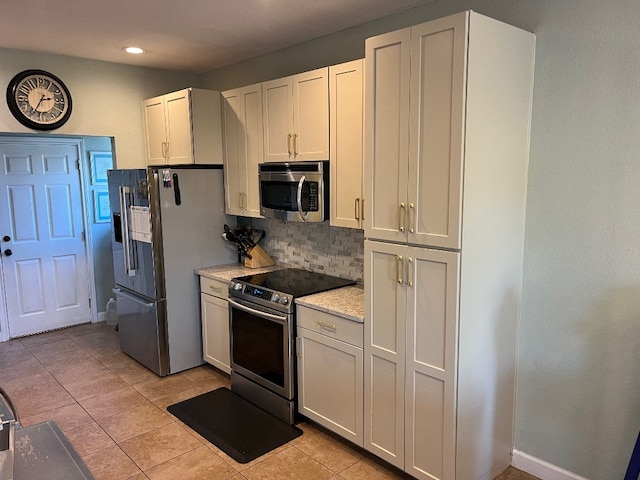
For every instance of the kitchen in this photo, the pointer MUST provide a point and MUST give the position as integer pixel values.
(579, 300)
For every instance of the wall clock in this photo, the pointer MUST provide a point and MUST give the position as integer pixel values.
(39, 100)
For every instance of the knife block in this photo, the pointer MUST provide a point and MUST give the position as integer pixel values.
(259, 258)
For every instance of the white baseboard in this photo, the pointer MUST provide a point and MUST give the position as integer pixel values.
(542, 469)
(102, 316)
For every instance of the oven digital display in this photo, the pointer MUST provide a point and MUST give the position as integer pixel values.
(260, 293)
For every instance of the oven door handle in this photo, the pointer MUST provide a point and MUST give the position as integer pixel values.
(259, 313)
(299, 199)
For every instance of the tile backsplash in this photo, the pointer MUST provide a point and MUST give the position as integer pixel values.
(314, 246)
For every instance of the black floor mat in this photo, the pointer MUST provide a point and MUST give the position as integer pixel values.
(234, 425)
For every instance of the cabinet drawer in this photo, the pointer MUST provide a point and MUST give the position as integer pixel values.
(330, 325)
(214, 287)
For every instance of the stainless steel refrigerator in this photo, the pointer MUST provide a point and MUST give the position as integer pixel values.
(166, 222)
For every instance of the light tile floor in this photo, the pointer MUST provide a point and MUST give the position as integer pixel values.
(113, 411)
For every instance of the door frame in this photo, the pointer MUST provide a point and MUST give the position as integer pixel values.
(78, 143)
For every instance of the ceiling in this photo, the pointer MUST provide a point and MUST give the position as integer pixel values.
(194, 36)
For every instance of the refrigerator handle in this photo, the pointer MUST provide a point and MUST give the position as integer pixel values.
(119, 291)
(128, 248)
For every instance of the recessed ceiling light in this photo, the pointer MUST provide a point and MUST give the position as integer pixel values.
(134, 50)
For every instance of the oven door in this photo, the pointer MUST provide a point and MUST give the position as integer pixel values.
(261, 346)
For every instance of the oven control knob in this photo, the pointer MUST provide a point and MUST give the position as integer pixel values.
(276, 297)
(237, 286)
(284, 300)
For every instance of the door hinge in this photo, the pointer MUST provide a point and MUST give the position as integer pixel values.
(78, 164)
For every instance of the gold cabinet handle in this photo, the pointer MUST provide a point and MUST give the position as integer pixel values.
(412, 218)
(362, 216)
(289, 144)
(402, 217)
(244, 200)
(295, 144)
(400, 269)
(240, 200)
(357, 208)
(215, 289)
(410, 271)
(165, 148)
(328, 326)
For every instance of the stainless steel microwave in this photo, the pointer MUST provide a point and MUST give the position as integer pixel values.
(295, 191)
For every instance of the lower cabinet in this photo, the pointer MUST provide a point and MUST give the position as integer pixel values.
(214, 311)
(330, 372)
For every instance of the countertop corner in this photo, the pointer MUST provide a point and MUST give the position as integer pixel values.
(345, 302)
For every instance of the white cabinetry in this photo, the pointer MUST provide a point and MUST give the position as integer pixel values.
(329, 350)
(214, 311)
(345, 128)
(183, 127)
(448, 108)
(296, 117)
(242, 126)
(410, 368)
(416, 186)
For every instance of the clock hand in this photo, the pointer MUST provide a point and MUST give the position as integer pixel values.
(35, 109)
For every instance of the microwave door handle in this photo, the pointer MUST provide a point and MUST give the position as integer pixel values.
(299, 199)
(127, 246)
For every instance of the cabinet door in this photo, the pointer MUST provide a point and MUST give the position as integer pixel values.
(346, 117)
(277, 114)
(311, 115)
(233, 151)
(333, 400)
(216, 344)
(242, 117)
(386, 133)
(384, 351)
(253, 147)
(154, 129)
(178, 118)
(431, 278)
(438, 72)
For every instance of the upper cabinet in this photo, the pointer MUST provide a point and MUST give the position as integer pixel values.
(243, 150)
(296, 117)
(345, 149)
(183, 127)
(414, 152)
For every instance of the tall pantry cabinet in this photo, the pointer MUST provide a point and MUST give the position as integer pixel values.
(448, 107)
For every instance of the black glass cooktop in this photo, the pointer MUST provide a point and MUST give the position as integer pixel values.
(295, 281)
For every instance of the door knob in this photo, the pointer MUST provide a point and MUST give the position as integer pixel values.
(8, 252)
(6, 238)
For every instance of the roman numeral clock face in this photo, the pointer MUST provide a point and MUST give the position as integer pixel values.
(39, 100)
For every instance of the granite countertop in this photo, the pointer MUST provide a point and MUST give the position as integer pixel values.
(345, 302)
(225, 273)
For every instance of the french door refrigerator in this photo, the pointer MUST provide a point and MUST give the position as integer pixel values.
(166, 222)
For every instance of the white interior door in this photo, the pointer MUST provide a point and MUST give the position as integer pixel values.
(44, 259)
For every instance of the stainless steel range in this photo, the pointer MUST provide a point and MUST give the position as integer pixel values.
(263, 327)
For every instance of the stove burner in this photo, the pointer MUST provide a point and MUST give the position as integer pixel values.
(278, 289)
